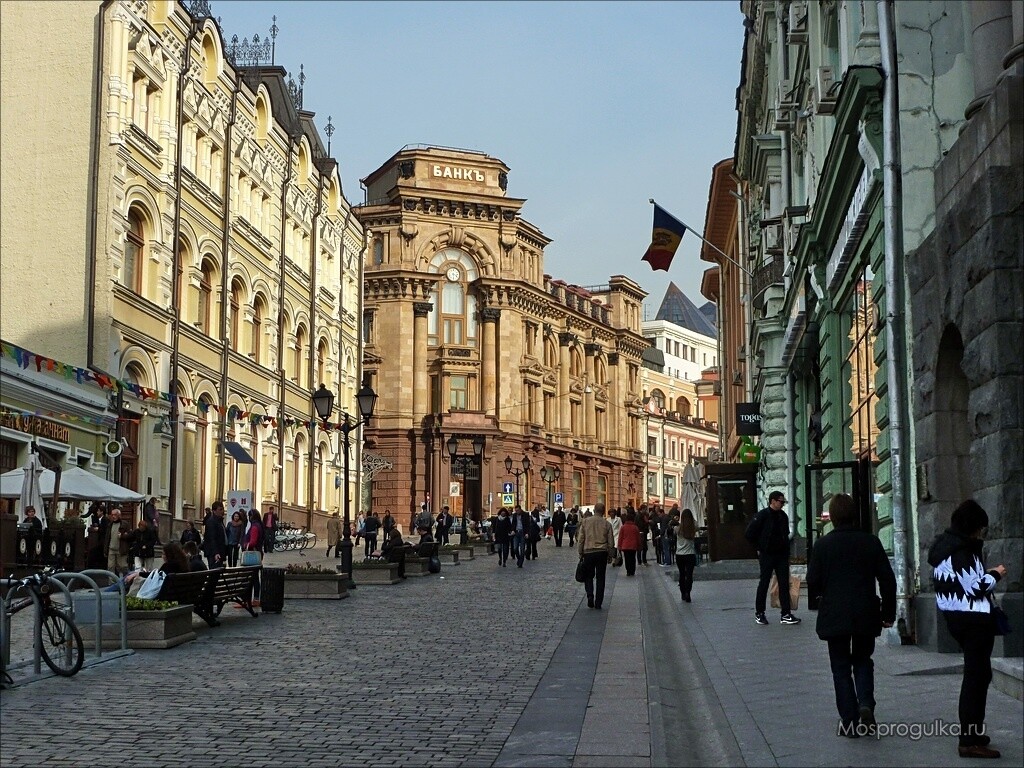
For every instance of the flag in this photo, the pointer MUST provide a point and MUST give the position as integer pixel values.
(668, 233)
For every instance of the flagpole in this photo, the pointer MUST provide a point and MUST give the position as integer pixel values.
(707, 242)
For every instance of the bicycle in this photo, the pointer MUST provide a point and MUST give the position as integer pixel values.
(59, 641)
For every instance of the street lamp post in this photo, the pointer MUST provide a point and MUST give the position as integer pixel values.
(549, 476)
(323, 401)
(517, 473)
(459, 464)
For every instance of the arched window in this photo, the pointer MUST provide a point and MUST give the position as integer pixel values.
(683, 406)
(659, 399)
(262, 120)
(298, 465)
(550, 353)
(300, 352)
(134, 251)
(206, 283)
(577, 487)
(575, 363)
(321, 363)
(453, 320)
(256, 340)
(235, 327)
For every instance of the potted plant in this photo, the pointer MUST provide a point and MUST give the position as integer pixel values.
(151, 624)
(311, 581)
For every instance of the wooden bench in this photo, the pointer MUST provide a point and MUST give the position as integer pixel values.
(210, 591)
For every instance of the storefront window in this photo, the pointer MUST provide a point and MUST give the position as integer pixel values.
(860, 434)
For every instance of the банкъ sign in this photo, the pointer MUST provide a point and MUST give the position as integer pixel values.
(748, 418)
(459, 174)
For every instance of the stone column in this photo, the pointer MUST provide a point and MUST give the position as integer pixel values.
(565, 341)
(589, 414)
(991, 39)
(489, 359)
(420, 389)
(1014, 60)
(618, 418)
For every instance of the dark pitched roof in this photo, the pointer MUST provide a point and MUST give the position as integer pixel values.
(679, 310)
(710, 311)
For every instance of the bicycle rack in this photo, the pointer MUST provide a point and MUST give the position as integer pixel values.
(86, 577)
(13, 588)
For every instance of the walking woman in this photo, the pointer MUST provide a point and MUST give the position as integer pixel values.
(686, 553)
(629, 542)
(235, 532)
(643, 524)
(963, 592)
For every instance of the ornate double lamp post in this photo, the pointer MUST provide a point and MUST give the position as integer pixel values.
(517, 472)
(550, 476)
(459, 464)
(323, 402)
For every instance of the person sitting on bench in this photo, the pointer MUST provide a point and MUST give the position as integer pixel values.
(394, 550)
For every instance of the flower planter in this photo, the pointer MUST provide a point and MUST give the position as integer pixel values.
(375, 574)
(482, 548)
(146, 629)
(416, 566)
(449, 556)
(465, 552)
(315, 586)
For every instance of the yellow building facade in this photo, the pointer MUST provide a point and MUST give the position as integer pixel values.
(466, 337)
(212, 265)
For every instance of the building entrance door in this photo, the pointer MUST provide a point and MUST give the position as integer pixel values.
(731, 503)
(823, 480)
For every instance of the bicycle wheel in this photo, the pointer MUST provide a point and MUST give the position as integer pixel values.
(311, 540)
(60, 644)
(279, 544)
(303, 542)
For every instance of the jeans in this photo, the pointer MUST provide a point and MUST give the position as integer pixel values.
(519, 547)
(779, 565)
(976, 642)
(686, 563)
(656, 546)
(571, 530)
(531, 550)
(642, 552)
(846, 654)
(503, 550)
(595, 564)
(442, 535)
(268, 539)
(667, 546)
(370, 544)
(233, 554)
(629, 556)
(558, 536)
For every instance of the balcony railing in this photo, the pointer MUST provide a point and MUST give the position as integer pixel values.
(765, 276)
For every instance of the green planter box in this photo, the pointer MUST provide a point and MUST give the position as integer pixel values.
(146, 629)
(374, 574)
(315, 586)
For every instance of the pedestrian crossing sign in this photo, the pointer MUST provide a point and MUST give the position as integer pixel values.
(508, 499)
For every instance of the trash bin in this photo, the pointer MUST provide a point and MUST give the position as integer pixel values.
(272, 590)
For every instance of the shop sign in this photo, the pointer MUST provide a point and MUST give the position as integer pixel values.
(748, 418)
(36, 427)
(454, 172)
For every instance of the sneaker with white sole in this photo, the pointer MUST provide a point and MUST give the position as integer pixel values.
(789, 618)
(760, 618)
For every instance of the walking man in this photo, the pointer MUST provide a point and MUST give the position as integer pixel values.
(596, 546)
(558, 524)
(521, 523)
(333, 534)
(502, 533)
(444, 525)
(769, 533)
(845, 565)
(215, 537)
(370, 527)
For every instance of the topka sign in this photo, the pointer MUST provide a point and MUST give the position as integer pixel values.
(457, 173)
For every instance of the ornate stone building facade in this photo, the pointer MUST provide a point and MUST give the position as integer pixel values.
(466, 337)
(220, 260)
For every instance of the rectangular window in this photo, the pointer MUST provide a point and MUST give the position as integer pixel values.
(670, 486)
(602, 490)
(549, 410)
(368, 327)
(577, 487)
(652, 446)
(652, 483)
(458, 392)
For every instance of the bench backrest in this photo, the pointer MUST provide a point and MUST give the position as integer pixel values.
(185, 588)
(229, 582)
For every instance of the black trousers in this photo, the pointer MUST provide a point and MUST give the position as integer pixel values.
(595, 564)
(853, 674)
(369, 543)
(559, 529)
(976, 639)
(686, 564)
(642, 553)
(779, 565)
(629, 557)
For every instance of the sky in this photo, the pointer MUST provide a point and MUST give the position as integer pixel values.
(595, 106)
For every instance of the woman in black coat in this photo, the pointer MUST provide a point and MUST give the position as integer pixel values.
(845, 565)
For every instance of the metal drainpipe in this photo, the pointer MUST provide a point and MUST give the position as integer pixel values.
(790, 452)
(341, 321)
(359, 362)
(895, 357)
(280, 329)
(225, 302)
(172, 500)
(94, 174)
(313, 241)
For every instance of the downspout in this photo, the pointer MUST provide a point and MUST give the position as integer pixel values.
(172, 500)
(780, 26)
(746, 288)
(359, 362)
(94, 174)
(895, 357)
(225, 302)
(280, 331)
(341, 326)
(313, 242)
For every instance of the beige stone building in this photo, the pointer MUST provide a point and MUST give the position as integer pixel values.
(172, 221)
(467, 337)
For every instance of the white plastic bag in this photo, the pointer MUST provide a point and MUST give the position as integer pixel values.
(152, 585)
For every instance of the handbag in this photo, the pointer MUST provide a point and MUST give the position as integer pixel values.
(151, 587)
(581, 572)
(251, 557)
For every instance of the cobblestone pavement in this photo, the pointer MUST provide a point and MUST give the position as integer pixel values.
(433, 671)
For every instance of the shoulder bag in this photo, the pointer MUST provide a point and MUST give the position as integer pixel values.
(251, 557)
(151, 587)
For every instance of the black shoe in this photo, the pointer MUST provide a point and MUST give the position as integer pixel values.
(597, 607)
(789, 618)
(760, 618)
(590, 602)
(849, 729)
(978, 750)
(867, 716)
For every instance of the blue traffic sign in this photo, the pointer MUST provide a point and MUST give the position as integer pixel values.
(558, 497)
(508, 488)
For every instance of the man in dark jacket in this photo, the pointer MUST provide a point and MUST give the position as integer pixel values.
(844, 567)
(769, 533)
(558, 524)
(215, 540)
(501, 530)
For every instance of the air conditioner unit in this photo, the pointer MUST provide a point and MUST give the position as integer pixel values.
(737, 378)
(785, 118)
(797, 32)
(741, 352)
(828, 91)
(786, 94)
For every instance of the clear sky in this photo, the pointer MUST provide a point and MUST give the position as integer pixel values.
(595, 107)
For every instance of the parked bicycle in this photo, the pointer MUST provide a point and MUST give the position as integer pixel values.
(59, 641)
(290, 537)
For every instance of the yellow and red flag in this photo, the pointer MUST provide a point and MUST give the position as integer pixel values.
(668, 233)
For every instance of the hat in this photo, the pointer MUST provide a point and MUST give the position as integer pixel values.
(776, 496)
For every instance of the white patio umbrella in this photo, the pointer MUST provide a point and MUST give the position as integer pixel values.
(693, 493)
(31, 490)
